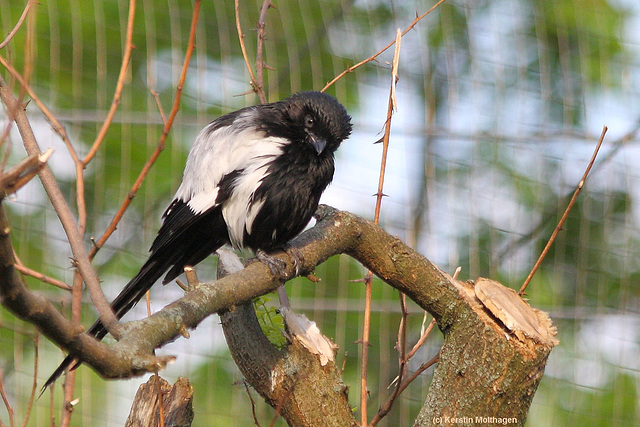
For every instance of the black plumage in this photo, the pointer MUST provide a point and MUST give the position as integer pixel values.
(253, 179)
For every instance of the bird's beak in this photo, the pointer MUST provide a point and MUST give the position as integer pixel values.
(318, 143)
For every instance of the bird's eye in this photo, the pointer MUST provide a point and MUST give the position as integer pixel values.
(308, 122)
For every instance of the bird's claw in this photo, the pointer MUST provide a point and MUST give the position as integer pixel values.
(296, 256)
(276, 265)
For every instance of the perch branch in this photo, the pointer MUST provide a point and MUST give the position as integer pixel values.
(335, 232)
(513, 362)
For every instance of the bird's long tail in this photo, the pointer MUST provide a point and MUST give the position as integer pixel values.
(185, 238)
(150, 272)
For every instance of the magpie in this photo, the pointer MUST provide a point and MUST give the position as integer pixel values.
(253, 179)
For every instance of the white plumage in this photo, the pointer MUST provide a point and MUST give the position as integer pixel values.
(215, 154)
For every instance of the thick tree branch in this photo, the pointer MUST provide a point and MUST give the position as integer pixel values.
(81, 258)
(336, 232)
(301, 381)
(487, 353)
(38, 311)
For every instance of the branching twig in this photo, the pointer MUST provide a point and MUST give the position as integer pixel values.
(375, 55)
(565, 215)
(266, 4)
(81, 259)
(400, 384)
(384, 410)
(55, 124)
(161, 143)
(126, 59)
(254, 83)
(18, 176)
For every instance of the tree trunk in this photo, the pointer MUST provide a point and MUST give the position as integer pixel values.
(491, 362)
(176, 409)
(302, 383)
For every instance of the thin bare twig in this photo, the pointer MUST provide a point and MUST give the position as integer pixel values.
(13, 32)
(155, 95)
(55, 124)
(69, 384)
(400, 384)
(380, 52)
(565, 215)
(29, 52)
(421, 340)
(34, 385)
(6, 400)
(40, 276)
(254, 83)
(161, 143)
(253, 403)
(402, 333)
(384, 410)
(159, 400)
(266, 4)
(615, 147)
(7, 150)
(364, 353)
(387, 127)
(376, 220)
(126, 59)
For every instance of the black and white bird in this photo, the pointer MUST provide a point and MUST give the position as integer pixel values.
(253, 179)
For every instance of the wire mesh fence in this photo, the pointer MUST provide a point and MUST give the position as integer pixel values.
(500, 104)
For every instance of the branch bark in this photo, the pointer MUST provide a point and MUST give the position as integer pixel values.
(157, 403)
(475, 330)
(81, 258)
(303, 386)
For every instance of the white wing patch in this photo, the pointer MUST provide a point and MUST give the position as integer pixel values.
(218, 153)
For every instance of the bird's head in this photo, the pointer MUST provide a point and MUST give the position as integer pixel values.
(317, 119)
